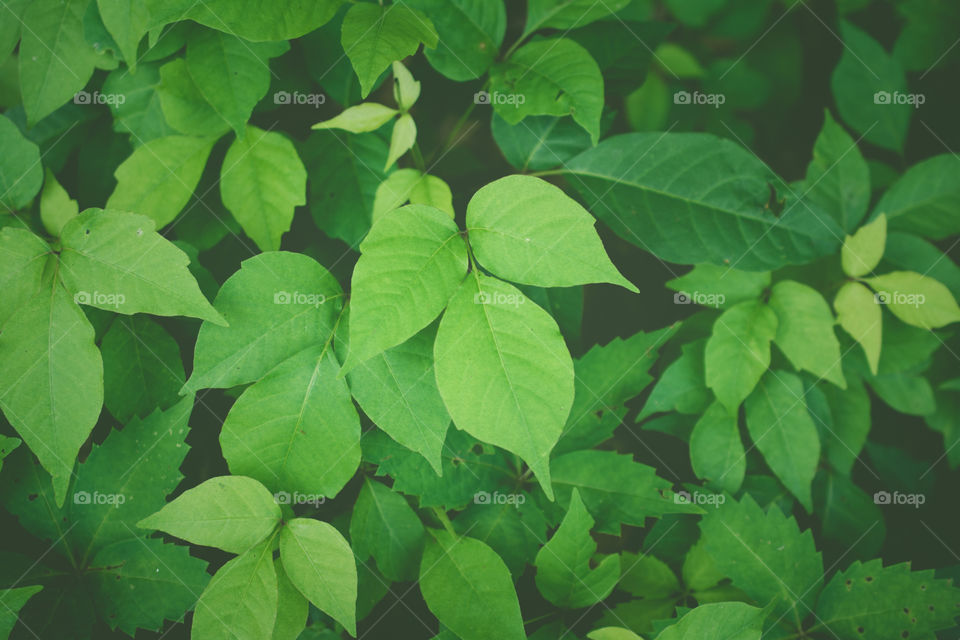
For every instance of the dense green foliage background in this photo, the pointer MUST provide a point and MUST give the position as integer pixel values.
(479, 319)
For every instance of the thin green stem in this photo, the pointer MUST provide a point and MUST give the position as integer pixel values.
(445, 521)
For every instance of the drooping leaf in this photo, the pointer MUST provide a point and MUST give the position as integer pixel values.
(361, 118)
(837, 178)
(863, 250)
(292, 607)
(56, 206)
(384, 526)
(805, 330)
(860, 316)
(21, 173)
(850, 411)
(716, 451)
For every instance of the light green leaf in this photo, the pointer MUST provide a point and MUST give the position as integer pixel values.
(513, 526)
(295, 430)
(10, 33)
(677, 61)
(23, 258)
(837, 179)
(127, 21)
(183, 105)
(361, 118)
(738, 351)
(409, 185)
(868, 86)
(403, 138)
(518, 391)
(615, 489)
(411, 263)
(873, 602)
(115, 261)
(406, 90)
(784, 432)
(765, 555)
(682, 386)
(916, 299)
(860, 316)
(555, 77)
(397, 389)
(694, 198)
(716, 451)
(55, 59)
(527, 230)
(56, 206)
(277, 304)
(470, 35)
(468, 588)
(384, 526)
(564, 573)
(257, 20)
(727, 620)
(262, 181)
(12, 600)
(850, 412)
(719, 287)
(7, 445)
(51, 381)
(568, 14)
(232, 513)
(863, 250)
(159, 177)
(925, 199)
(21, 173)
(320, 563)
(292, 607)
(240, 603)
(373, 36)
(805, 331)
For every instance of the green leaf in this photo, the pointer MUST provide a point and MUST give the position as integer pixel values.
(728, 620)
(277, 304)
(232, 513)
(612, 633)
(564, 573)
(184, 106)
(384, 526)
(12, 601)
(411, 263)
(470, 34)
(127, 21)
(539, 142)
(233, 75)
(403, 138)
(373, 36)
(292, 607)
(362, 118)
(142, 369)
(21, 174)
(908, 252)
(554, 77)
(738, 351)
(784, 432)
(874, 602)
(924, 200)
(158, 179)
(513, 526)
(7, 445)
(406, 90)
(863, 250)
(766, 556)
(51, 382)
(850, 412)
(23, 259)
(409, 185)
(720, 287)
(240, 603)
(10, 29)
(527, 230)
(397, 389)
(145, 582)
(860, 316)
(691, 198)
(716, 451)
(116, 261)
(320, 564)
(56, 206)
(805, 331)
(468, 588)
(55, 59)
(295, 429)
(868, 85)
(682, 386)
(141, 114)
(567, 14)
(916, 299)
(262, 181)
(518, 391)
(257, 20)
(615, 489)
(838, 180)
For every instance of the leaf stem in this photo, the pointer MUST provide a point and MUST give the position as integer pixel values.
(445, 521)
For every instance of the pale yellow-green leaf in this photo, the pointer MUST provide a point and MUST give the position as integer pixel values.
(863, 250)
(56, 205)
(860, 316)
(403, 138)
(368, 116)
(916, 299)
